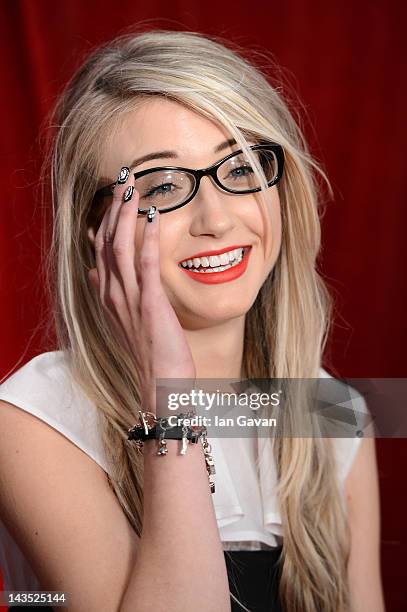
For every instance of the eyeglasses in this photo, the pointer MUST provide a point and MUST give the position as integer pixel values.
(171, 187)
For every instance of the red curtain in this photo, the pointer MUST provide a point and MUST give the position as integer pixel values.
(345, 60)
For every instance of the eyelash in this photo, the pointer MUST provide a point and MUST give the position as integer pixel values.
(155, 187)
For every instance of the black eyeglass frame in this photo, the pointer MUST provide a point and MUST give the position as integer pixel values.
(209, 171)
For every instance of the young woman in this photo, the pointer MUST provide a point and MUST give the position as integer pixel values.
(184, 131)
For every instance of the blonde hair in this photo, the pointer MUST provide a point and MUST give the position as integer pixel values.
(287, 326)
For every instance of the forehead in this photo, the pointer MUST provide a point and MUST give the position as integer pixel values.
(158, 125)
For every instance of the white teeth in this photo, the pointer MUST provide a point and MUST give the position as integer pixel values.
(214, 262)
(217, 268)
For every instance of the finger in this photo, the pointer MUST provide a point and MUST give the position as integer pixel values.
(124, 250)
(121, 281)
(150, 260)
(123, 190)
(157, 314)
(116, 323)
(125, 180)
(103, 264)
(100, 278)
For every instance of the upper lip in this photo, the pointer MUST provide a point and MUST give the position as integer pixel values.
(216, 252)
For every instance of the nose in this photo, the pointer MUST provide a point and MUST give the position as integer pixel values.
(211, 210)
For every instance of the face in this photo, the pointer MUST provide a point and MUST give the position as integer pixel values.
(214, 220)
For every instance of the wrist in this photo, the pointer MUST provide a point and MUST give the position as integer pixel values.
(150, 427)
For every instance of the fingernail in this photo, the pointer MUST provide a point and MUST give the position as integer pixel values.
(151, 213)
(128, 194)
(123, 175)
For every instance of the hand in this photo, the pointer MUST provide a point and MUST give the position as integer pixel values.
(133, 297)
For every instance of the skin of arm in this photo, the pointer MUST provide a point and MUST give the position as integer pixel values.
(180, 562)
(362, 497)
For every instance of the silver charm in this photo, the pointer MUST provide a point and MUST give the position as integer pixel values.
(194, 436)
(210, 465)
(184, 440)
(162, 445)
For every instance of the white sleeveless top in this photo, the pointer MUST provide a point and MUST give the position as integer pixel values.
(245, 505)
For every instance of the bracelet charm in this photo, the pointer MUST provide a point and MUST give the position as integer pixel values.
(184, 440)
(162, 445)
(151, 427)
(210, 464)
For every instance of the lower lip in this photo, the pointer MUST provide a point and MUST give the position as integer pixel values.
(213, 278)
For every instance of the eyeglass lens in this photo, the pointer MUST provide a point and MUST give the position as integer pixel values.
(166, 189)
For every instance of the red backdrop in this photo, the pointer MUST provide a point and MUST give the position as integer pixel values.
(346, 63)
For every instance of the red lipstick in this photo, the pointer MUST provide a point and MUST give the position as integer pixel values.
(213, 278)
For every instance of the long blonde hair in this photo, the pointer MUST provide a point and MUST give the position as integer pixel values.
(292, 311)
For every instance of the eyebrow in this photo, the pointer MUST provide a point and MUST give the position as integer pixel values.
(174, 154)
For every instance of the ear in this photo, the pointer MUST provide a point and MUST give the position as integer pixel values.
(91, 235)
(93, 277)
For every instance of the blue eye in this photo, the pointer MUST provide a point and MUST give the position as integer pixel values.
(155, 190)
(246, 170)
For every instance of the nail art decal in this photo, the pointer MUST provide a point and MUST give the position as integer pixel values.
(128, 194)
(151, 213)
(124, 175)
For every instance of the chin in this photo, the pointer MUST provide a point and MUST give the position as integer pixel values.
(195, 316)
(209, 305)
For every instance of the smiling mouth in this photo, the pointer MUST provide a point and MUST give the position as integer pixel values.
(215, 263)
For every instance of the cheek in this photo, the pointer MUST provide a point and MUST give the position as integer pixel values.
(274, 229)
(268, 229)
(264, 221)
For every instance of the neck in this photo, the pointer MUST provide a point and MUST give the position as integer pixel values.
(218, 351)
